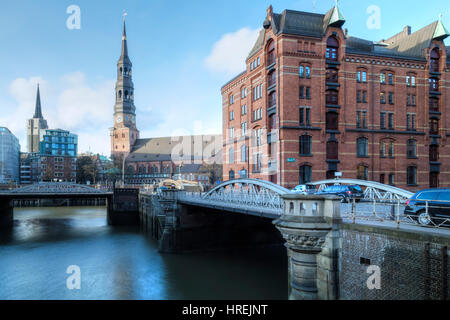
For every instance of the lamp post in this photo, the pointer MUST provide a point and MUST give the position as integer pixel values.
(123, 168)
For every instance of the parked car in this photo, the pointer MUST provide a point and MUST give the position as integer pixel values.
(304, 189)
(346, 193)
(437, 201)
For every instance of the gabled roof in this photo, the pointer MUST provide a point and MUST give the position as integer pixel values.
(162, 149)
(414, 44)
(404, 44)
(299, 23)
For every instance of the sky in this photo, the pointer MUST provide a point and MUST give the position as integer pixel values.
(182, 53)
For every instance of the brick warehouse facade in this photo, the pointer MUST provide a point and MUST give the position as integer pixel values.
(314, 101)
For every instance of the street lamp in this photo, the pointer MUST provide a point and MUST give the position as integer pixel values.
(123, 168)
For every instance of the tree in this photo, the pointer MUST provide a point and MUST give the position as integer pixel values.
(86, 170)
(214, 171)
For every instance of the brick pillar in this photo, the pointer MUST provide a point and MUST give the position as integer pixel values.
(309, 225)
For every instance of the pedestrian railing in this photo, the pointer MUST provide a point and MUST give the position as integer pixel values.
(425, 213)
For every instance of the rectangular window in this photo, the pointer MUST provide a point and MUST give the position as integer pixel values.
(382, 97)
(391, 78)
(302, 92)
(358, 96)
(383, 120)
(308, 93)
(391, 98)
(305, 116)
(383, 78)
(364, 76)
(365, 96)
(391, 121)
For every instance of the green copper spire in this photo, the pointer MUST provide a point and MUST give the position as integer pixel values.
(441, 32)
(336, 19)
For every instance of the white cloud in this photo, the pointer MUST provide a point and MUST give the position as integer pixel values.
(229, 53)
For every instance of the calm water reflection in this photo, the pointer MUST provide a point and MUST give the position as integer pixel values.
(121, 263)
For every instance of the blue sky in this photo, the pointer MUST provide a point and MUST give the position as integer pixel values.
(177, 49)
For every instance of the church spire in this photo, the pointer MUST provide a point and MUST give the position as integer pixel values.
(38, 109)
(124, 54)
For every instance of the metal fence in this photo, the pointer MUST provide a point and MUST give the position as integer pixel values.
(425, 213)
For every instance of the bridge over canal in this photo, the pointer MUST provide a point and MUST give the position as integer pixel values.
(122, 204)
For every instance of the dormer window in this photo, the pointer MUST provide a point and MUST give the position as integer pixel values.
(332, 49)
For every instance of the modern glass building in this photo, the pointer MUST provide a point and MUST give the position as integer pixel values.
(57, 142)
(9, 156)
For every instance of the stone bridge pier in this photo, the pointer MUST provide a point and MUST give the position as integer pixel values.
(6, 213)
(310, 227)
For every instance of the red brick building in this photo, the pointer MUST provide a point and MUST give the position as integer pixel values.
(314, 101)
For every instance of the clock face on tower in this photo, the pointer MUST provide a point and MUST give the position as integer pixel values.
(119, 119)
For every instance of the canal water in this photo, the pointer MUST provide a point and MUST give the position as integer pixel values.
(122, 263)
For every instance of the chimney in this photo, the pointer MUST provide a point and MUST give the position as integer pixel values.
(407, 30)
(269, 13)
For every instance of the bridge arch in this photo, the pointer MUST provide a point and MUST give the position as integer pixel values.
(373, 190)
(248, 185)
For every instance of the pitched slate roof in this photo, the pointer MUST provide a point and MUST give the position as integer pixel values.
(403, 45)
(163, 148)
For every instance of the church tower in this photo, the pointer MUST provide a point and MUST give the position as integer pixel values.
(124, 133)
(36, 126)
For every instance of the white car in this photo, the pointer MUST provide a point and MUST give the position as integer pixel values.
(304, 189)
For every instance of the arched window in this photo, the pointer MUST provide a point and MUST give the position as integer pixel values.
(434, 60)
(126, 94)
(362, 172)
(231, 155)
(383, 149)
(243, 153)
(332, 49)
(411, 149)
(156, 169)
(362, 147)
(411, 176)
(271, 53)
(305, 174)
(130, 170)
(231, 175)
(120, 94)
